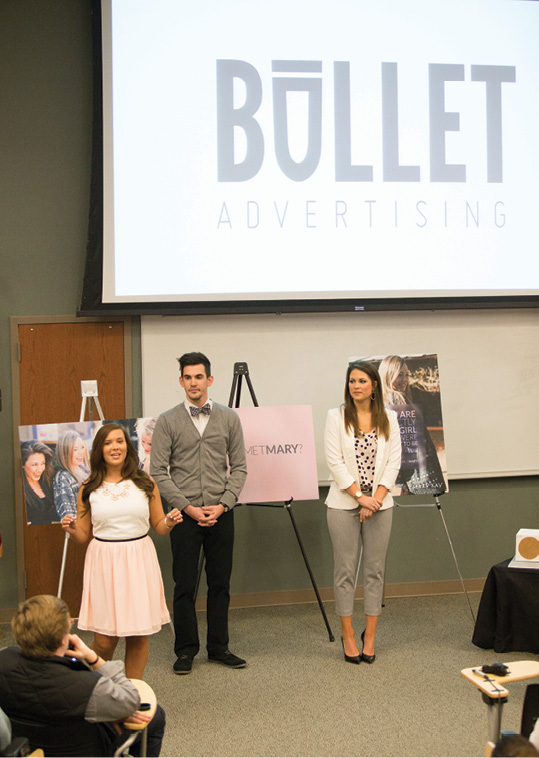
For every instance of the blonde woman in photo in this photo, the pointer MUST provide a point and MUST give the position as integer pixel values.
(395, 377)
(72, 468)
(420, 472)
(145, 429)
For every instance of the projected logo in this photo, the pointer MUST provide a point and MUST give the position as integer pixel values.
(243, 119)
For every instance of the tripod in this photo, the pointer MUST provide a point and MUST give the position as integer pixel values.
(241, 370)
(437, 505)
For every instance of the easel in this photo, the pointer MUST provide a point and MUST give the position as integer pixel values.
(437, 505)
(242, 370)
(88, 389)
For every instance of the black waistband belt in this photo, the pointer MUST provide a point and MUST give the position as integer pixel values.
(131, 539)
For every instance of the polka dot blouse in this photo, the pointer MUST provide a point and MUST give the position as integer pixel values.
(366, 447)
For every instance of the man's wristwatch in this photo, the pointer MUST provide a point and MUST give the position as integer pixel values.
(226, 508)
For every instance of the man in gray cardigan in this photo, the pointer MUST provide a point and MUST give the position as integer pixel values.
(198, 461)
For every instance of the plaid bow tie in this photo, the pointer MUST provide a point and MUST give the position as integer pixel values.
(205, 409)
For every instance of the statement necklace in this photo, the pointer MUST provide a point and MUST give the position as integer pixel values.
(115, 494)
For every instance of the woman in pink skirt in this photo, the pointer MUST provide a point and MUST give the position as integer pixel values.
(122, 592)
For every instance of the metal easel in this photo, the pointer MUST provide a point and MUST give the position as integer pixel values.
(241, 370)
(437, 505)
(88, 389)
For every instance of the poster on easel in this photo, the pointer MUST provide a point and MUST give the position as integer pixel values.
(280, 454)
(55, 461)
(411, 388)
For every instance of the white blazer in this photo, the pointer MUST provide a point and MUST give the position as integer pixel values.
(341, 459)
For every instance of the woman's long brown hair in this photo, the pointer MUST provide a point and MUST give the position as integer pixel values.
(34, 446)
(380, 420)
(130, 469)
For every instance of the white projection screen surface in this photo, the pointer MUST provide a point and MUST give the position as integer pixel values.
(320, 150)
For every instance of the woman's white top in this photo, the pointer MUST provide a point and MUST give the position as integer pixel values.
(339, 445)
(119, 511)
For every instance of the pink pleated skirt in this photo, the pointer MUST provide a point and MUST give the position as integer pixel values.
(122, 594)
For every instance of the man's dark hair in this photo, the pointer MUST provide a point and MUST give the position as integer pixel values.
(194, 359)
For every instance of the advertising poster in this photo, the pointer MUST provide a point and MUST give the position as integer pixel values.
(55, 461)
(411, 387)
(281, 456)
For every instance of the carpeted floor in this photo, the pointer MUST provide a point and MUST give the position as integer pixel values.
(298, 697)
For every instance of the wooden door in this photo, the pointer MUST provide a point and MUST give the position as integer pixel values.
(53, 360)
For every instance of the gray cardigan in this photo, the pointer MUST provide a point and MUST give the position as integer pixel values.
(193, 470)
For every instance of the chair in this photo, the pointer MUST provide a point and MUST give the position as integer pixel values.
(83, 738)
(12, 747)
(147, 695)
(20, 746)
(80, 738)
(495, 696)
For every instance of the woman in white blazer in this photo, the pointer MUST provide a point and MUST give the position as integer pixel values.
(363, 452)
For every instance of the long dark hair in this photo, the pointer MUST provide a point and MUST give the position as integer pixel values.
(98, 468)
(380, 420)
(31, 447)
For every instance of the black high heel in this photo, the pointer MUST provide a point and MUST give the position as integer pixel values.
(364, 656)
(350, 658)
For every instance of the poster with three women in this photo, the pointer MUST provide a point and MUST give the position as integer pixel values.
(55, 461)
(411, 387)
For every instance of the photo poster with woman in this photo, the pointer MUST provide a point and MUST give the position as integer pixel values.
(411, 387)
(55, 461)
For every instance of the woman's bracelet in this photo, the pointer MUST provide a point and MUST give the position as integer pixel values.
(167, 524)
(93, 662)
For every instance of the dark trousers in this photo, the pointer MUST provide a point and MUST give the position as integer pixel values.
(217, 542)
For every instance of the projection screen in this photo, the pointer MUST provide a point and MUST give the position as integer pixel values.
(320, 153)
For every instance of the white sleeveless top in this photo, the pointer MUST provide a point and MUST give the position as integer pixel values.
(119, 511)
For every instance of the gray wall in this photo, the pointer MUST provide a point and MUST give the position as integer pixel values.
(45, 147)
(45, 139)
(482, 517)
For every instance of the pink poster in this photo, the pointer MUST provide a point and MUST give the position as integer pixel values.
(281, 457)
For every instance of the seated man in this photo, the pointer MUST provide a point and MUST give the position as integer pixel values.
(53, 678)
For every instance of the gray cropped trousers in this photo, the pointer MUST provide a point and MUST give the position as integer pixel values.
(348, 534)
